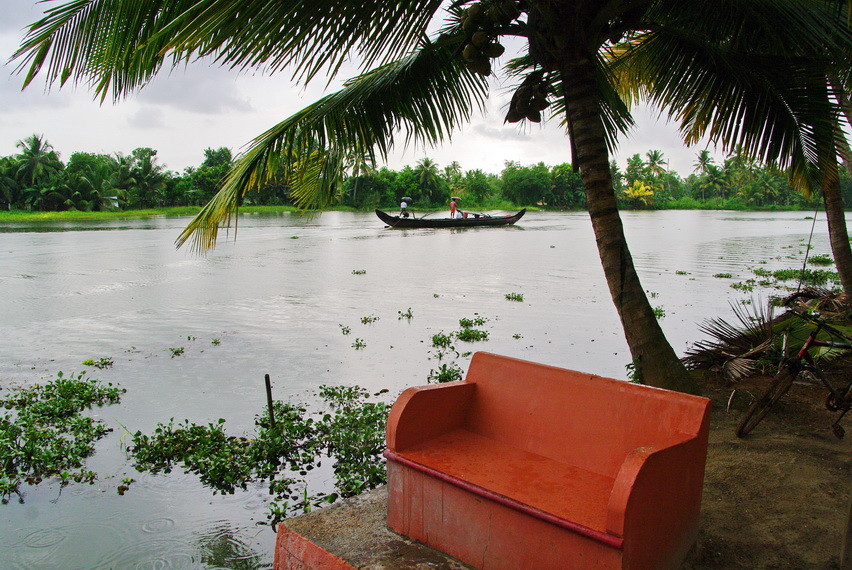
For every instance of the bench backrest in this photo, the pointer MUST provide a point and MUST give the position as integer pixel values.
(585, 420)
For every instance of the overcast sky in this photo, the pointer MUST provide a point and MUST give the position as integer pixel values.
(184, 111)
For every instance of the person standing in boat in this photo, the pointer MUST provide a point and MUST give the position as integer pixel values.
(403, 207)
(454, 211)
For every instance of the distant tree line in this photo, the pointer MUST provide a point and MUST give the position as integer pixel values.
(37, 179)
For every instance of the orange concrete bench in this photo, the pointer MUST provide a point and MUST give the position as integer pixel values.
(524, 465)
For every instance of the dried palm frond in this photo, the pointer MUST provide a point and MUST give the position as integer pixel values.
(733, 348)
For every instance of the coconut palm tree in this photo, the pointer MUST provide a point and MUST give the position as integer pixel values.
(37, 161)
(702, 162)
(426, 85)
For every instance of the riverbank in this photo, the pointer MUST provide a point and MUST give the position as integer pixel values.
(184, 211)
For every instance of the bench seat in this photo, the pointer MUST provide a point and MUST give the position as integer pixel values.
(524, 465)
(562, 490)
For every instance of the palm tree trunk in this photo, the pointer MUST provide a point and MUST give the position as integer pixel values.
(838, 234)
(653, 356)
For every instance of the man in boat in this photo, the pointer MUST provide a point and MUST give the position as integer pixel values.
(403, 207)
(454, 211)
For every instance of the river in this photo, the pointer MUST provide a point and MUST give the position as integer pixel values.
(276, 301)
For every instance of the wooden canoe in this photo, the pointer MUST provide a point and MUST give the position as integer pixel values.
(472, 221)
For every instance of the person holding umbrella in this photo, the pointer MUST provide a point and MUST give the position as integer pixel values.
(403, 207)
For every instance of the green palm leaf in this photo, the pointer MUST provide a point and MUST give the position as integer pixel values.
(118, 45)
(423, 96)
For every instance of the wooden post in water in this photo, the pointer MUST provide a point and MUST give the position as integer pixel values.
(269, 401)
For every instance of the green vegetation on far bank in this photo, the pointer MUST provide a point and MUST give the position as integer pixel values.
(36, 184)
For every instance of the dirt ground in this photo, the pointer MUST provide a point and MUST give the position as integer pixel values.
(778, 498)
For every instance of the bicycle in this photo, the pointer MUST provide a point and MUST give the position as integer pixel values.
(838, 400)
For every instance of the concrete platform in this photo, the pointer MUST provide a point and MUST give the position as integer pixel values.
(353, 534)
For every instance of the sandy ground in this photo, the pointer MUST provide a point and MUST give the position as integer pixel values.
(778, 498)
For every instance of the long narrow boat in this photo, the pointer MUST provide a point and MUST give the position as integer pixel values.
(472, 221)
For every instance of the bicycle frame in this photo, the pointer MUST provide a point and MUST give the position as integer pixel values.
(842, 398)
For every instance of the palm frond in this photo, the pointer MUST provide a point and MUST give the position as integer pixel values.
(728, 79)
(115, 46)
(423, 96)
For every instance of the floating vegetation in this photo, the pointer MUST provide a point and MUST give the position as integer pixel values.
(359, 344)
(472, 335)
(45, 435)
(745, 286)
(517, 336)
(653, 294)
(820, 260)
(359, 271)
(441, 340)
(177, 351)
(445, 373)
(344, 329)
(723, 276)
(215, 342)
(369, 319)
(659, 312)
(407, 315)
(101, 363)
(474, 322)
(680, 272)
(191, 338)
(347, 428)
(515, 297)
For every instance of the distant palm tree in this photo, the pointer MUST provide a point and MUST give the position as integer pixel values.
(655, 162)
(703, 162)
(709, 63)
(37, 161)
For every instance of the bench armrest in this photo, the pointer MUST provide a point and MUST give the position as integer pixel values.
(656, 499)
(423, 413)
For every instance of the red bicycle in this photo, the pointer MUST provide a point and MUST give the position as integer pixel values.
(838, 400)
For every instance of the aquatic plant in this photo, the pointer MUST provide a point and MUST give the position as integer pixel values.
(472, 335)
(474, 322)
(369, 319)
(723, 276)
(659, 312)
(408, 315)
(344, 329)
(44, 435)
(177, 351)
(359, 344)
(441, 340)
(359, 271)
(515, 297)
(101, 363)
(347, 428)
(445, 373)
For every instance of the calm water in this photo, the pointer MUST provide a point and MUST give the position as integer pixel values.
(276, 298)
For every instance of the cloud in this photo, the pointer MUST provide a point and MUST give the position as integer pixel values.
(197, 88)
(507, 133)
(146, 118)
(18, 15)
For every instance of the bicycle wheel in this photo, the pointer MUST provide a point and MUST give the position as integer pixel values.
(760, 407)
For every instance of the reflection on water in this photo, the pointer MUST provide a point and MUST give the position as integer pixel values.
(276, 305)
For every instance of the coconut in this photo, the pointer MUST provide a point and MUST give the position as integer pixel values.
(493, 50)
(480, 66)
(479, 39)
(513, 116)
(471, 53)
(539, 103)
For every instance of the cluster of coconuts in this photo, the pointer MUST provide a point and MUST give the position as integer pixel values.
(529, 100)
(480, 22)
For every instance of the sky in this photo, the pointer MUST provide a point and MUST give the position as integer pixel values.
(186, 110)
